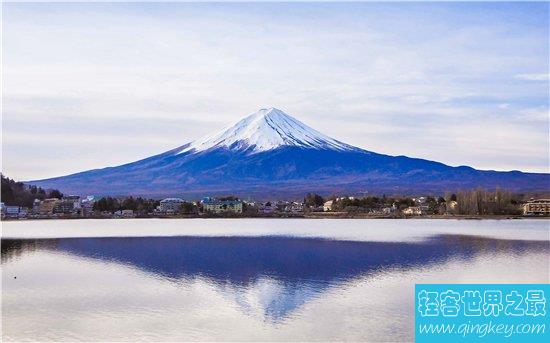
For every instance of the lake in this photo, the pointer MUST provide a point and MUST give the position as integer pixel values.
(248, 279)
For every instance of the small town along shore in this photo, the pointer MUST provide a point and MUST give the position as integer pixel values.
(23, 202)
(314, 215)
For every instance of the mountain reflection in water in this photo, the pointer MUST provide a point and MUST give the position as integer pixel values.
(286, 271)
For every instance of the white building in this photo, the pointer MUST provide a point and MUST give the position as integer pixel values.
(327, 206)
(171, 205)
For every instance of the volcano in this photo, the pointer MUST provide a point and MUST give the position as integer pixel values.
(270, 154)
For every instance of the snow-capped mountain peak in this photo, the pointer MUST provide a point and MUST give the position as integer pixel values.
(266, 129)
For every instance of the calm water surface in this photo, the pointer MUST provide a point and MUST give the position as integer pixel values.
(166, 280)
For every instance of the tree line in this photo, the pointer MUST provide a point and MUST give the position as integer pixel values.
(18, 194)
(138, 205)
(483, 202)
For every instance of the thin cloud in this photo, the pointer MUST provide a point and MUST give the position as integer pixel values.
(534, 77)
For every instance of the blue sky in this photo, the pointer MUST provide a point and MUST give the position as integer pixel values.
(94, 85)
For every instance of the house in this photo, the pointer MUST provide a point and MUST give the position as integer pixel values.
(412, 211)
(327, 206)
(75, 199)
(295, 207)
(389, 210)
(537, 207)
(171, 205)
(23, 212)
(452, 206)
(12, 211)
(124, 214)
(47, 206)
(268, 208)
(68, 205)
(106, 214)
(213, 205)
(420, 200)
(250, 203)
(282, 206)
(425, 209)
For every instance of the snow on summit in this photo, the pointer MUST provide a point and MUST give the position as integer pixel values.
(264, 130)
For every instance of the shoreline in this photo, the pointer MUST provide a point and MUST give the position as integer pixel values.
(320, 215)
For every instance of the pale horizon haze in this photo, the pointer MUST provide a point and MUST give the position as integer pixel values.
(92, 85)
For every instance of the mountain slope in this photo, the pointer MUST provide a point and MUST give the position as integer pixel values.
(271, 154)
